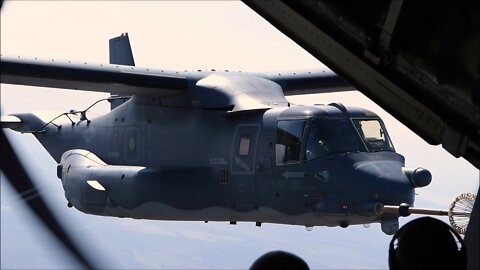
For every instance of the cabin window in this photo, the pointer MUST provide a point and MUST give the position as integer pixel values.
(328, 136)
(289, 141)
(373, 134)
(244, 148)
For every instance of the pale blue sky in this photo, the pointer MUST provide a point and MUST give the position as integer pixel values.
(182, 35)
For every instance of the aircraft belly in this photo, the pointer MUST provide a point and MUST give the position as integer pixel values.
(161, 211)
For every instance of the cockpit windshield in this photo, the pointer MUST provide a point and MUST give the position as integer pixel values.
(327, 136)
(373, 134)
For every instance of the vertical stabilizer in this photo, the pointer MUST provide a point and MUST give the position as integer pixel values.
(121, 51)
(120, 54)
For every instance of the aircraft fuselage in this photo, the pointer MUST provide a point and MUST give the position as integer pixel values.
(172, 163)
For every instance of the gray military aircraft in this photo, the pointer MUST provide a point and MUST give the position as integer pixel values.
(216, 146)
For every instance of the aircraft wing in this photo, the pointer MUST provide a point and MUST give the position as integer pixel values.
(308, 82)
(115, 79)
(127, 80)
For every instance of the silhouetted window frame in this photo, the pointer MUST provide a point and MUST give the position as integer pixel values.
(293, 149)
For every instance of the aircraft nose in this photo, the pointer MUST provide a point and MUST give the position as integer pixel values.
(386, 182)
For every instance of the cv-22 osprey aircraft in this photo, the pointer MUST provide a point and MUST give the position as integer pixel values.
(216, 146)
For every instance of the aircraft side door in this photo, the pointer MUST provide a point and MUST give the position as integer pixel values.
(242, 168)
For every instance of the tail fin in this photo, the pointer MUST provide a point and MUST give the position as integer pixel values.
(120, 54)
(121, 51)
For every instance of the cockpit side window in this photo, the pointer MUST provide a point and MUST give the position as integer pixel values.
(289, 141)
(373, 134)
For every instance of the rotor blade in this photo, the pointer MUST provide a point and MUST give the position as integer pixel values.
(20, 180)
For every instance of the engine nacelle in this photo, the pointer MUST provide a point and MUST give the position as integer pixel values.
(94, 187)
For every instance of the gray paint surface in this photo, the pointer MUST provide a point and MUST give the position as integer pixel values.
(209, 151)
